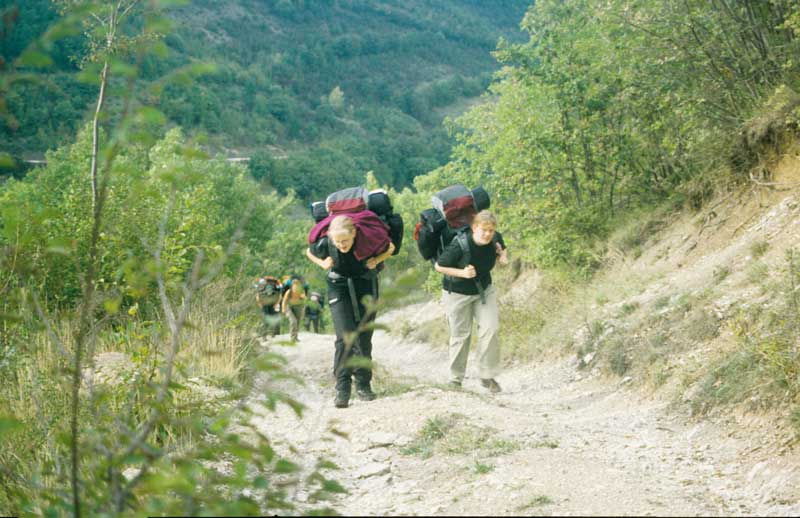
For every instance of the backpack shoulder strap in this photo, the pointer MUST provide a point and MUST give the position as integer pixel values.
(463, 242)
(333, 251)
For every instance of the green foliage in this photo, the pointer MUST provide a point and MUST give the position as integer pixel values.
(44, 217)
(720, 273)
(614, 106)
(617, 357)
(390, 69)
(758, 249)
(481, 469)
(123, 337)
(628, 308)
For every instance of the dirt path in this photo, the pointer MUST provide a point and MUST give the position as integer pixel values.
(550, 443)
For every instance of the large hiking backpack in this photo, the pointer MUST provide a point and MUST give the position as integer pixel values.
(450, 215)
(355, 199)
(268, 285)
(315, 302)
(287, 283)
(269, 289)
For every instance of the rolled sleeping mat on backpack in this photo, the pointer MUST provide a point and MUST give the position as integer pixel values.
(352, 199)
(481, 198)
(318, 211)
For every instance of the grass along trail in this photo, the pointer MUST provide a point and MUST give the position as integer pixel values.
(550, 443)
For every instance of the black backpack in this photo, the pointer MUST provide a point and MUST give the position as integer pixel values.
(452, 211)
(358, 198)
(269, 289)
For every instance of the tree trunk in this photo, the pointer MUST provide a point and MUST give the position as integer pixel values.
(96, 133)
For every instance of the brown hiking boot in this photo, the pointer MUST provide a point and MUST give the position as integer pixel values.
(491, 384)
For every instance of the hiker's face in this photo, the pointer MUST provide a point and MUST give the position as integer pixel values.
(482, 234)
(344, 242)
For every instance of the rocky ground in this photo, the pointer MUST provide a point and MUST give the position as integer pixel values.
(553, 442)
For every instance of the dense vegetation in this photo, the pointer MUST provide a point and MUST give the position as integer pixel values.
(614, 106)
(134, 240)
(316, 92)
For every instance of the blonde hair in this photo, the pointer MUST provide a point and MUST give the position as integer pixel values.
(484, 217)
(341, 225)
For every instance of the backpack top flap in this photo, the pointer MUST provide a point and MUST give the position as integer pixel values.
(379, 202)
(427, 232)
(318, 211)
(456, 204)
(481, 198)
(352, 199)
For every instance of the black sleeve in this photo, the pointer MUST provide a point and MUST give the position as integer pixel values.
(451, 256)
(320, 248)
(500, 240)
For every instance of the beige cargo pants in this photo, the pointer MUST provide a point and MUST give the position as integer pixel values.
(461, 311)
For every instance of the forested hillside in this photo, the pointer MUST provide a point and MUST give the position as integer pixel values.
(317, 92)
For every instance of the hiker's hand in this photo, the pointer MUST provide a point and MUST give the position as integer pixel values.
(469, 272)
(372, 263)
(327, 263)
(502, 255)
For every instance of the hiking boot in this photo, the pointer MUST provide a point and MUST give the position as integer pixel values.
(342, 399)
(365, 394)
(455, 384)
(491, 384)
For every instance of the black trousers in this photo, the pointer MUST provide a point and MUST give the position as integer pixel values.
(272, 320)
(344, 321)
(312, 318)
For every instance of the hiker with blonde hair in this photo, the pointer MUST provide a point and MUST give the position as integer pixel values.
(352, 256)
(469, 295)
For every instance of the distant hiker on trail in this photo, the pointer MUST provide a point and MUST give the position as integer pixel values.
(314, 311)
(294, 306)
(351, 248)
(268, 297)
(467, 263)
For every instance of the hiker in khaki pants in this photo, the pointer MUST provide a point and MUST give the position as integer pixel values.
(469, 295)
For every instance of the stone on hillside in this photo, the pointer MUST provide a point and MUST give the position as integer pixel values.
(381, 439)
(692, 393)
(380, 454)
(374, 485)
(130, 473)
(205, 390)
(372, 469)
(111, 368)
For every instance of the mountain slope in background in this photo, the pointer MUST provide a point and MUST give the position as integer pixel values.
(337, 87)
